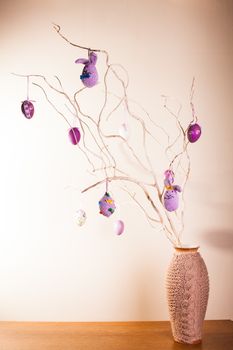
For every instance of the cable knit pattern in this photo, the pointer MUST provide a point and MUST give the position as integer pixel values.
(187, 292)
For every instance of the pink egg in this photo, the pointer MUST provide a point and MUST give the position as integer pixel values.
(119, 227)
(74, 135)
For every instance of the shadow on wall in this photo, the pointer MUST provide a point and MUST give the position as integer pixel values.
(220, 239)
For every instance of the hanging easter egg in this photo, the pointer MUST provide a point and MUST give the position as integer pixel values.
(194, 132)
(118, 227)
(74, 135)
(80, 217)
(171, 197)
(89, 76)
(171, 200)
(27, 109)
(107, 205)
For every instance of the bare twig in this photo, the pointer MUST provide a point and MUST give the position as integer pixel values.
(100, 150)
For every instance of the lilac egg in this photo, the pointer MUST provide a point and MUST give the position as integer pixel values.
(119, 227)
(194, 132)
(171, 200)
(89, 76)
(27, 109)
(74, 135)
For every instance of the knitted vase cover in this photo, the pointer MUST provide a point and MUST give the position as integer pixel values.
(187, 293)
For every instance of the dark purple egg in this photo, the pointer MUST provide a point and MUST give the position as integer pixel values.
(194, 132)
(27, 109)
(74, 135)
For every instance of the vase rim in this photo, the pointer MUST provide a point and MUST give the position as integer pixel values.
(187, 247)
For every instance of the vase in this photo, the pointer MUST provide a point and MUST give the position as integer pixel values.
(187, 294)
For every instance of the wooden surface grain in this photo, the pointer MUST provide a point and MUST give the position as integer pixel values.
(218, 335)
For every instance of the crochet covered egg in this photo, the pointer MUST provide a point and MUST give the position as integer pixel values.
(171, 196)
(107, 205)
(171, 200)
(89, 74)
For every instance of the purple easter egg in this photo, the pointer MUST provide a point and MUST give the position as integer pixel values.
(107, 205)
(74, 135)
(89, 76)
(119, 227)
(27, 109)
(194, 132)
(171, 200)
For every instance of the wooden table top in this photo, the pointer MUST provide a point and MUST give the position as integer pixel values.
(218, 335)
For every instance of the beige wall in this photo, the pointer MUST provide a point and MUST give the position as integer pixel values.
(50, 269)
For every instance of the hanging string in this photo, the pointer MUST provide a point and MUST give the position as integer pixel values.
(106, 185)
(191, 101)
(27, 88)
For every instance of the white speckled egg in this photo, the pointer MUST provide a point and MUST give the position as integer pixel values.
(80, 217)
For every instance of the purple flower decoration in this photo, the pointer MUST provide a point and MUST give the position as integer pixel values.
(169, 178)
